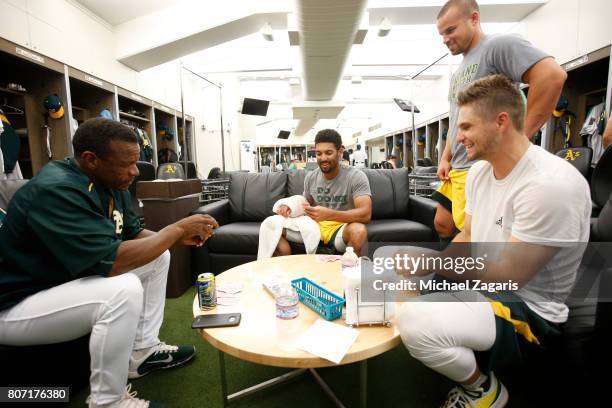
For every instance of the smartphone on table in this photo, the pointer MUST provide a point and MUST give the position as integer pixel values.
(216, 320)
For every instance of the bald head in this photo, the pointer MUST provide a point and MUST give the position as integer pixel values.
(467, 7)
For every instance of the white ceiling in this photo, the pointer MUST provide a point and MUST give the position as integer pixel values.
(116, 12)
(226, 39)
(236, 46)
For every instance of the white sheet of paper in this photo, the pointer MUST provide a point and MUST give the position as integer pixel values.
(327, 340)
(229, 287)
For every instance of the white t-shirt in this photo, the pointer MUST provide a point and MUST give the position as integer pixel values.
(544, 199)
(360, 157)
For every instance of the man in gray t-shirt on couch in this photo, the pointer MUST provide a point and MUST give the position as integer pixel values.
(339, 199)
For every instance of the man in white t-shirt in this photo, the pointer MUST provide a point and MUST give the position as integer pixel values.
(536, 207)
(360, 158)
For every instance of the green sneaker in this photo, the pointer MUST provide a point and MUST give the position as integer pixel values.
(159, 357)
(496, 396)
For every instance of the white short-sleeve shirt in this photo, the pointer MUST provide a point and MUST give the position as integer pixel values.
(543, 200)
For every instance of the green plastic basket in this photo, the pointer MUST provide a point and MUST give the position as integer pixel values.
(319, 299)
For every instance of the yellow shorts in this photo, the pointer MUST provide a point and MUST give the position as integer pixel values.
(451, 195)
(328, 230)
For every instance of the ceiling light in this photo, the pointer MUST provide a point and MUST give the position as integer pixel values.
(266, 32)
(384, 27)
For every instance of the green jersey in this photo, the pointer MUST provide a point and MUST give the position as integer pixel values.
(59, 227)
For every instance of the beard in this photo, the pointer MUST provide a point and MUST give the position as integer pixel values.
(331, 166)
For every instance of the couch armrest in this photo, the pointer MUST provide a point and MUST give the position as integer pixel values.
(219, 210)
(422, 210)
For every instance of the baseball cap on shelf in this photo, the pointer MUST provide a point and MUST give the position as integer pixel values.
(106, 114)
(168, 133)
(561, 107)
(54, 106)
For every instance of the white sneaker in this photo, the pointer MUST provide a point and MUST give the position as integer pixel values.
(128, 400)
(494, 397)
(160, 356)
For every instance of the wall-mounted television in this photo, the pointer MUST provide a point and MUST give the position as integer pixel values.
(257, 107)
(283, 134)
(406, 106)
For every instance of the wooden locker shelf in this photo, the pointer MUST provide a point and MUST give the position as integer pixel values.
(90, 95)
(40, 76)
(165, 117)
(130, 102)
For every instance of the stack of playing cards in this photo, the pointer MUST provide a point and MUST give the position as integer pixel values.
(228, 293)
(328, 258)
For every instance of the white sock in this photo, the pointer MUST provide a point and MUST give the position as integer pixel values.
(476, 384)
(142, 353)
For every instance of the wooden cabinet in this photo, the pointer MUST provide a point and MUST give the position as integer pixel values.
(137, 112)
(165, 133)
(587, 85)
(188, 135)
(90, 96)
(37, 76)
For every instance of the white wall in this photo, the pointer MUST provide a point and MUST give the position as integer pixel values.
(432, 100)
(570, 28)
(567, 29)
(377, 156)
(63, 30)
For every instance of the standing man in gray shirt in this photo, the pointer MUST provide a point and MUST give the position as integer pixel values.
(339, 199)
(458, 23)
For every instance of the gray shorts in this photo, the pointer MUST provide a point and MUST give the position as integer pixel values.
(339, 244)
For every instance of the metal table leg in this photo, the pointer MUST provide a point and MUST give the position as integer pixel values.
(326, 388)
(223, 379)
(266, 384)
(363, 383)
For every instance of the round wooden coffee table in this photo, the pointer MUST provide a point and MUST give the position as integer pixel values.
(255, 339)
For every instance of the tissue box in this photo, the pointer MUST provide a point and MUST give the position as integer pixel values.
(359, 312)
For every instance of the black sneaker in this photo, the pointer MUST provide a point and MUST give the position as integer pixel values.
(160, 356)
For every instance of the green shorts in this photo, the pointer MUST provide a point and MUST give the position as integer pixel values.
(519, 331)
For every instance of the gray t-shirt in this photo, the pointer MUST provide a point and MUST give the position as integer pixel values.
(507, 54)
(338, 193)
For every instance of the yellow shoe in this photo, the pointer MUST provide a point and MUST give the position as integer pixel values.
(496, 396)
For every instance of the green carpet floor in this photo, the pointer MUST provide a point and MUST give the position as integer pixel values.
(395, 379)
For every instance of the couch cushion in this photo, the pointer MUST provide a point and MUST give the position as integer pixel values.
(295, 182)
(389, 193)
(252, 195)
(398, 230)
(235, 238)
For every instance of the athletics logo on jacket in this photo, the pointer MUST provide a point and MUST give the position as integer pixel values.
(118, 218)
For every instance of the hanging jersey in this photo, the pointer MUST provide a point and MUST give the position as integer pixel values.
(10, 145)
(592, 130)
(146, 149)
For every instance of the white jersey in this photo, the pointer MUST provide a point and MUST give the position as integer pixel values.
(360, 157)
(590, 128)
(544, 199)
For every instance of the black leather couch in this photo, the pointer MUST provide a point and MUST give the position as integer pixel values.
(397, 216)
